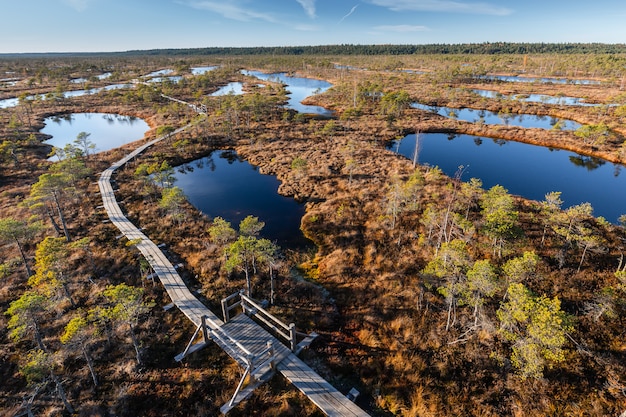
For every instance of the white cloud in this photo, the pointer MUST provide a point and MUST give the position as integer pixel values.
(442, 6)
(401, 28)
(349, 13)
(231, 10)
(308, 6)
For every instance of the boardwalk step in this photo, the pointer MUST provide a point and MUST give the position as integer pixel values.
(306, 342)
(194, 348)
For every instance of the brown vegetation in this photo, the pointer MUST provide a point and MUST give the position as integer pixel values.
(381, 318)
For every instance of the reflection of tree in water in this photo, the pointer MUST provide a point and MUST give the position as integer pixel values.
(183, 169)
(452, 136)
(209, 161)
(588, 162)
(499, 142)
(230, 156)
(64, 117)
(478, 141)
(617, 169)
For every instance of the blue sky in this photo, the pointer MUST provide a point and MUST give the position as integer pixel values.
(120, 25)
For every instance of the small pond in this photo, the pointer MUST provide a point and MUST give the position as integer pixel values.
(8, 82)
(12, 102)
(107, 131)
(158, 73)
(84, 80)
(526, 170)
(78, 93)
(234, 88)
(536, 98)
(348, 67)
(222, 184)
(299, 89)
(202, 70)
(492, 118)
(174, 79)
(544, 80)
(9, 102)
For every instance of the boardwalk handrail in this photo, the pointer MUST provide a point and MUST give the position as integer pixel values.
(272, 321)
(226, 308)
(219, 332)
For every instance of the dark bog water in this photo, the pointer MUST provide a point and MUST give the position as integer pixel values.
(299, 89)
(224, 185)
(107, 131)
(507, 119)
(526, 170)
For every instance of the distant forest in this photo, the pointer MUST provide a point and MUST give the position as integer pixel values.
(487, 48)
(468, 48)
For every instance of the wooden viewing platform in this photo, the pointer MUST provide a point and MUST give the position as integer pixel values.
(254, 348)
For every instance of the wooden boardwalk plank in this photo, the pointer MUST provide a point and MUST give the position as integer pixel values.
(319, 391)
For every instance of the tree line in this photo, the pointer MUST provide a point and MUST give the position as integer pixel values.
(487, 48)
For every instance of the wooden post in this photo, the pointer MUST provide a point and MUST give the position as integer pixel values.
(292, 336)
(243, 378)
(243, 301)
(225, 311)
(205, 334)
(270, 346)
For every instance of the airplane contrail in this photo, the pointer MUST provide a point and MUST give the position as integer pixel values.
(349, 13)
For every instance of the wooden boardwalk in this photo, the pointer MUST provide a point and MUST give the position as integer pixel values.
(163, 268)
(260, 353)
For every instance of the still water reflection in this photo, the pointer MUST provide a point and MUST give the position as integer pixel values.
(537, 98)
(526, 170)
(234, 88)
(106, 131)
(222, 184)
(492, 118)
(299, 89)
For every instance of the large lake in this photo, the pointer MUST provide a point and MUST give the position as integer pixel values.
(526, 170)
(107, 131)
(224, 185)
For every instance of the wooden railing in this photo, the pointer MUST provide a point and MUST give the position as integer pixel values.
(227, 306)
(253, 308)
(286, 331)
(252, 362)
